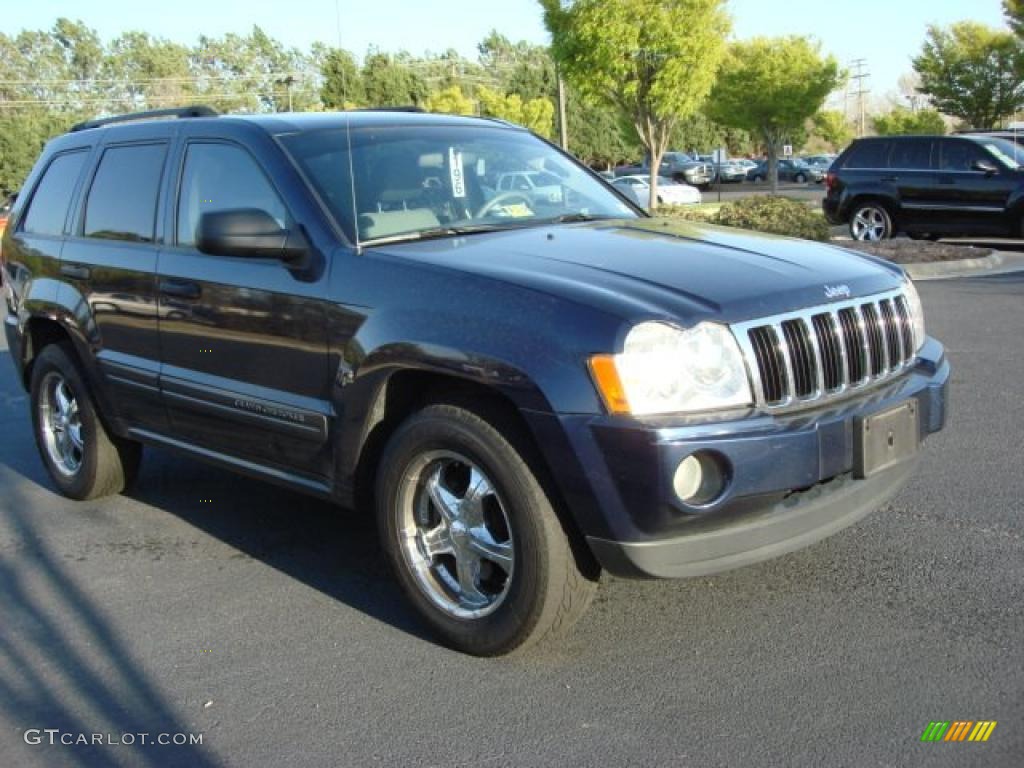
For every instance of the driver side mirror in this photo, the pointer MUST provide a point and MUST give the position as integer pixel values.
(985, 166)
(248, 232)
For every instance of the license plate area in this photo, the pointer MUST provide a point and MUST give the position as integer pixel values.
(884, 439)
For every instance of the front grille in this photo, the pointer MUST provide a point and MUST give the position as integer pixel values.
(825, 351)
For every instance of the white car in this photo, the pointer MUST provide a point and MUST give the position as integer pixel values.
(670, 192)
(540, 186)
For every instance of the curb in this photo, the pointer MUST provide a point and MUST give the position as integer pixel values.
(940, 270)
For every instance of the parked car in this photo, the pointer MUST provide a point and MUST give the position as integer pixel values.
(540, 186)
(677, 166)
(521, 395)
(787, 170)
(638, 188)
(927, 186)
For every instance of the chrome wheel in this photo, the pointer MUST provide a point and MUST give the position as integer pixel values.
(869, 224)
(454, 533)
(61, 424)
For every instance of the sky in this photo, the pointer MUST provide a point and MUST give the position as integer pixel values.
(887, 33)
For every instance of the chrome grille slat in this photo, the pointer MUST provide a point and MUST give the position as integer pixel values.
(820, 353)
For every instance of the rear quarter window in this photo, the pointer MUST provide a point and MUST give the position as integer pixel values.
(48, 209)
(868, 154)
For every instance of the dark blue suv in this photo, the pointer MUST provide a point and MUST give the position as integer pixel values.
(526, 386)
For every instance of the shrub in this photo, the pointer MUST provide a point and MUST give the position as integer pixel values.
(776, 215)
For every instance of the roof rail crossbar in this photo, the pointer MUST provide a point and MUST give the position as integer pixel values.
(194, 111)
(389, 109)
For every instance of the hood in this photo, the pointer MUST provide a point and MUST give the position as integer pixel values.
(662, 267)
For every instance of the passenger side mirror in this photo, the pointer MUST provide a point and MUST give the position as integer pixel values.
(986, 167)
(248, 232)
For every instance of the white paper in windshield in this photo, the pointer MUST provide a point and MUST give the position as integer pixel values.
(455, 168)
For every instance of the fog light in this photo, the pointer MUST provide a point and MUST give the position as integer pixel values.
(699, 478)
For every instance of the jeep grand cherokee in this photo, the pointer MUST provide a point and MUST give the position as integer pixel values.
(526, 389)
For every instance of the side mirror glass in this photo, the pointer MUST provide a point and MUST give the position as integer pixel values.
(985, 166)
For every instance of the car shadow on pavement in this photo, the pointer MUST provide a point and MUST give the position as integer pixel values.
(321, 545)
(62, 666)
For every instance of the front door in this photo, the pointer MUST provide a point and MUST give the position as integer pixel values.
(973, 200)
(244, 340)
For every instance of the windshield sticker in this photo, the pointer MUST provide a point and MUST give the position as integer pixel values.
(514, 211)
(455, 168)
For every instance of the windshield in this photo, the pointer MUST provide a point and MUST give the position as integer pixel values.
(409, 182)
(1009, 153)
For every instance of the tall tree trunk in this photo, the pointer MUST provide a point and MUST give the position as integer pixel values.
(771, 141)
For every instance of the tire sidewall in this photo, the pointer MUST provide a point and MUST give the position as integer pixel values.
(886, 216)
(54, 359)
(507, 626)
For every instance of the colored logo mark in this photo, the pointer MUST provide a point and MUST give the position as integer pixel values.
(958, 730)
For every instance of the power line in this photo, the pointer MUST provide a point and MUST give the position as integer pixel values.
(861, 91)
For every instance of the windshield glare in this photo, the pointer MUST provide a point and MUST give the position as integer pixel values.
(1007, 151)
(409, 180)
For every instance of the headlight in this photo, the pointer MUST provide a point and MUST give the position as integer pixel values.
(916, 313)
(664, 369)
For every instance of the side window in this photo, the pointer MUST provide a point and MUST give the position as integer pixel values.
(122, 199)
(868, 154)
(222, 177)
(911, 154)
(959, 155)
(49, 206)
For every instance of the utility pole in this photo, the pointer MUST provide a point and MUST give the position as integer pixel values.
(563, 127)
(861, 91)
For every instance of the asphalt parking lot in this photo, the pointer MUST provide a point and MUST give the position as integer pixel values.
(206, 603)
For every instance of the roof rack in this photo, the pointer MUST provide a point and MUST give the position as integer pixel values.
(388, 109)
(193, 111)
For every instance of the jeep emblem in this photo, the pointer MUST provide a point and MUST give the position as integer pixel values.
(837, 291)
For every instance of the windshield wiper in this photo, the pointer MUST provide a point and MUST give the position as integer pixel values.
(569, 218)
(434, 233)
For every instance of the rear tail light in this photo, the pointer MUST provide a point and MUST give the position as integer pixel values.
(830, 180)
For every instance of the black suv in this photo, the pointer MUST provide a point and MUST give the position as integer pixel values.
(927, 187)
(525, 388)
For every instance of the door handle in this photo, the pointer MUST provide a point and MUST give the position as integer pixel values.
(947, 180)
(75, 271)
(889, 178)
(180, 289)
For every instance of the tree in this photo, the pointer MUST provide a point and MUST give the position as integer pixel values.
(598, 135)
(536, 114)
(972, 72)
(655, 60)
(1013, 10)
(389, 81)
(833, 127)
(342, 82)
(902, 121)
(450, 101)
(770, 87)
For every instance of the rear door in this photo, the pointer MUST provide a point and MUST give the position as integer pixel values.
(109, 259)
(244, 340)
(912, 163)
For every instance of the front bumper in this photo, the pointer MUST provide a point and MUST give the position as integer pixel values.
(790, 478)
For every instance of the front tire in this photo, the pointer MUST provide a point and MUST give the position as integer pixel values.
(472, 536)
(870, 222)
(800, 179)
(84, 460)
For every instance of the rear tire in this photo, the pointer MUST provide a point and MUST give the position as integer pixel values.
(473, 538)
(84, 460)
(800, 179)
(870, 222)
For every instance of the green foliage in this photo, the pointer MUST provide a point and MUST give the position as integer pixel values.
(655, 60)
(450, 101)
(902, 121)
(1013, 10)
(833, 127)
(765, 213)
(342, 81)
(536, 114)
(389, 81)
(770, 87)
(972, 72)
(22, 137)
(598, 135)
